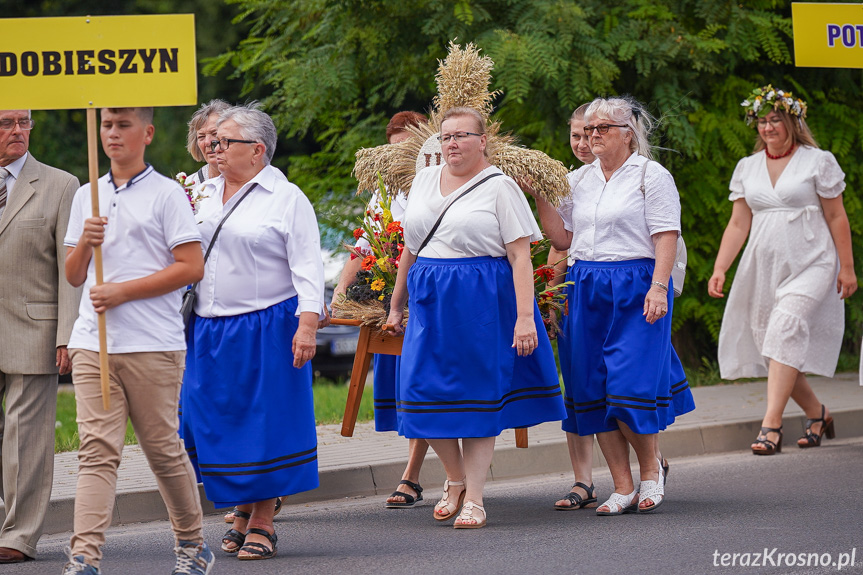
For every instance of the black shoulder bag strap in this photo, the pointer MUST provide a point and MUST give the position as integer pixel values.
(194, 287)
(202, 177)
(466, 192)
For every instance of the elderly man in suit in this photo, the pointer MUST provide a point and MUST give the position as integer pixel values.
(37, 310)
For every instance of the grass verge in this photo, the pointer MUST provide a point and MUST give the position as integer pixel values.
(330, 398)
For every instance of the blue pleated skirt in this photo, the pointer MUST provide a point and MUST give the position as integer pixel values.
(459, 374)
(248, 415)
(615, 365)
(385, 371)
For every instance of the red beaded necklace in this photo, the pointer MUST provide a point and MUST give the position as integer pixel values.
(772, 157)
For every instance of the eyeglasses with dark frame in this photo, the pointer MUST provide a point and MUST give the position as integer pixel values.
(225, 143)
(602, 128)
(24, 124)
(457, 137)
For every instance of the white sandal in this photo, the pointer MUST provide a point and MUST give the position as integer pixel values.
(653, 490)
(618, 504)
(445, 509)
(467, 520)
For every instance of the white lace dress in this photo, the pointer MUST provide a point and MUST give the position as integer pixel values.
(783, 304)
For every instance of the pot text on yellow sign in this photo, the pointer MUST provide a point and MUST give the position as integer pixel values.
(828, 35)
(98, 61)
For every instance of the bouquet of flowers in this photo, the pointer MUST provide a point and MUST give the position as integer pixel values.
(550, 299)
(368, 298)
(193, 190)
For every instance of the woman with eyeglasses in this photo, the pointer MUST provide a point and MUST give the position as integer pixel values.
(785, 316)
(202, 132)
(618, 333)
(476, 358)
(248, 415)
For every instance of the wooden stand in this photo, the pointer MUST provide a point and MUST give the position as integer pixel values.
(374, 341)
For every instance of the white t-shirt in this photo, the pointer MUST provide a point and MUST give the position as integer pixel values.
(614, 221)
(268, 251)
(148, 216)
(480, 224)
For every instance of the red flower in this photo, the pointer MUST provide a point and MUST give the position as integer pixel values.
(544, 272)
(394, 227)
(358, 233)
(368, 262)
(353, 256)
(377, 217)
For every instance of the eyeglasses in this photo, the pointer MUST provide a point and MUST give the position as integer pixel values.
(602, 128)
(225, 143)
(762, 122)
(457, 137)
(24, 124)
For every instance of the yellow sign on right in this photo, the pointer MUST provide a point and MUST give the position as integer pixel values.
(828, 35)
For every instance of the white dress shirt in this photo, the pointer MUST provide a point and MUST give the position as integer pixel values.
(268, 250)
(148, 216)
(14, 169)
(613, 220)
(480, 224)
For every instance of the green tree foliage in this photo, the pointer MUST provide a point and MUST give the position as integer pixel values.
(336, 69)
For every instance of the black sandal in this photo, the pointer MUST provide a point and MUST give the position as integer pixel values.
(812, 439)
(769, 447)
(576, 501)
(410, 500)
(259, 550)
(234, 536)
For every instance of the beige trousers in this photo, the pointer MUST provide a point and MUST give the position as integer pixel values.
(144, 387)
(26, 457)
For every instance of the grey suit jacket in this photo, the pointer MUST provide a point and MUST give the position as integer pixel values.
(37, 305)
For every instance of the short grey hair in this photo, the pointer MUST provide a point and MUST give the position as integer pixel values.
(254, 125)
(197, 122)
(629, 111)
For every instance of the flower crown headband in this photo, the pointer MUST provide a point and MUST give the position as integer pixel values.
(764, 100)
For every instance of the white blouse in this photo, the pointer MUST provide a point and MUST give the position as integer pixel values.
(268, 251)
(480, 224)
(613, 220)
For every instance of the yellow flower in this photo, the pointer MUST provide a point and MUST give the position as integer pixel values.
(381, 297)
(378, 285)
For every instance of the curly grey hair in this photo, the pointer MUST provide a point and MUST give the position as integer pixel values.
(197, 122)
(629, 111)
(254, 125)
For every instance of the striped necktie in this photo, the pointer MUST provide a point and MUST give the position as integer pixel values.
(4, 173)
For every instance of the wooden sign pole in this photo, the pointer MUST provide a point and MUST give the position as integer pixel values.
(93, 158)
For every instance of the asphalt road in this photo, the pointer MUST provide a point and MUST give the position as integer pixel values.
(797, 502)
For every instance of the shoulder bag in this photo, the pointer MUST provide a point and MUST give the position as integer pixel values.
(678, 271)
(466, 192)
(191, 295)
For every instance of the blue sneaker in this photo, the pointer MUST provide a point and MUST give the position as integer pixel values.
(77, 566)
(193, 559)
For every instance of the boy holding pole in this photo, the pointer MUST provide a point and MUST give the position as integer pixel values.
(151, 250)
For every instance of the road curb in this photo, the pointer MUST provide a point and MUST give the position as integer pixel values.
(544, 457)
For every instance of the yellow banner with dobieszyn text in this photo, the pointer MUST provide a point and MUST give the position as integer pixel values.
(828, 35)
(97, 62)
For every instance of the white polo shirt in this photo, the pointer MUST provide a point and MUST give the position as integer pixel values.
(612, 220)
(268, 251)
(148, 216)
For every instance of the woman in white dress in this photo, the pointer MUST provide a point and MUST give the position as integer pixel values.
(785, 316)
